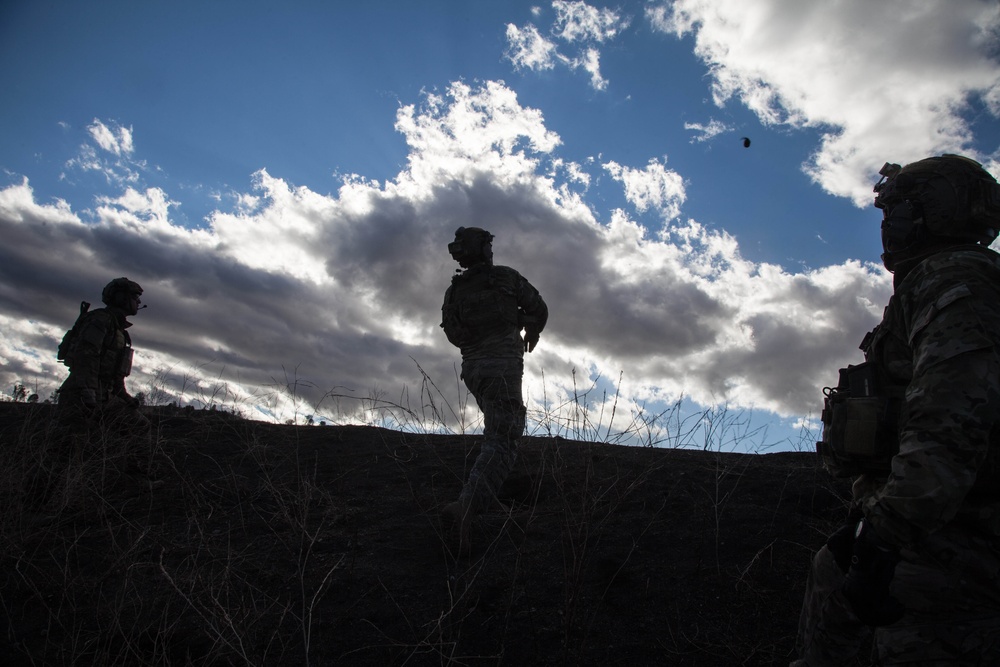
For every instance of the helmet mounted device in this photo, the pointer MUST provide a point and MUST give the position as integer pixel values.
(471, 246)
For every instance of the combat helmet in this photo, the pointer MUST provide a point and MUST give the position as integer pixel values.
(471, 246)
(117, 291)
(937, 200)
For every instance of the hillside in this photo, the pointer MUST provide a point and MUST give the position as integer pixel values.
(269, 544)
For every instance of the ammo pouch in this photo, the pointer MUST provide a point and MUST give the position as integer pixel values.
(125, 356)
(452, 325)
(859, 425)
(125, 362)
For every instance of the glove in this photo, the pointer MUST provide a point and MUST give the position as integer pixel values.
(866, 586)
(841, 545)
(530, 340)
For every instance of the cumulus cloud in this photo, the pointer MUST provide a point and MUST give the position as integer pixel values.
(651, 187)
(579, 26)
(896, 75)
(338, 295)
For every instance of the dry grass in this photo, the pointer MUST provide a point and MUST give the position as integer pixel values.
(270, 544)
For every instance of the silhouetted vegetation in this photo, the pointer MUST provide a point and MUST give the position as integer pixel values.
(268, 544)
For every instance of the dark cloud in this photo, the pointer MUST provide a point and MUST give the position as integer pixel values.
(301, 299)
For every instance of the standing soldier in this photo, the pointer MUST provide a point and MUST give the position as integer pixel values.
(484, 312)
(918, 428)
(98, 351)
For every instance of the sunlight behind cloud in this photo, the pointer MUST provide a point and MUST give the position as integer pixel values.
(321, 218)
(348, 285)
(278, 236)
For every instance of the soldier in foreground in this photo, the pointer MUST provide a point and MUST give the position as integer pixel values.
(484, 312)
(918, 428)
(98, 351)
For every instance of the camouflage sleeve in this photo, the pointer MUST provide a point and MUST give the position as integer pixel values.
(90, 345)
(949, 406)
(531, 302)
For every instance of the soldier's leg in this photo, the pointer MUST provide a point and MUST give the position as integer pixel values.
(499, 397)
(125, 425)
(63, 451)
(951, 592)
(829, 633)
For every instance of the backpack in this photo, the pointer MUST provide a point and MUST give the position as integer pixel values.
(68, 344)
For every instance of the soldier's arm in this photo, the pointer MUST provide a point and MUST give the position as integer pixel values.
(535, 313)
(950, 407)
(531, 302)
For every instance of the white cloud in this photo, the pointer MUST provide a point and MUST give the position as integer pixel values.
(110, 154)
(468, 130)
(705, 132)
(115, 139)
(896, 75)
(343, 291)
(527, 49)
(578, 21)
(151, 205)
(590, 61)
(279, 234)
(575, 22)
(653, 186)
(574, 172)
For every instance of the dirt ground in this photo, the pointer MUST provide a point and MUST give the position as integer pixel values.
(268, 544)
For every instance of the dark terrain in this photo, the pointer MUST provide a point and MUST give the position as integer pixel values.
(266, 544)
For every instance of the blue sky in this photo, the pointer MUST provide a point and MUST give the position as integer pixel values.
(283, 179)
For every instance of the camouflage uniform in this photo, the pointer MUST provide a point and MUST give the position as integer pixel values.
(483, 313)
(937, 348)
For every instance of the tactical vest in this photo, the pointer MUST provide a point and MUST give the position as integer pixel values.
(481, 302)
(860, 423)
(115, 349)
(862, 414)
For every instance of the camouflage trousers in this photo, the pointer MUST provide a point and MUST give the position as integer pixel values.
(950, 589)
(496, 386)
